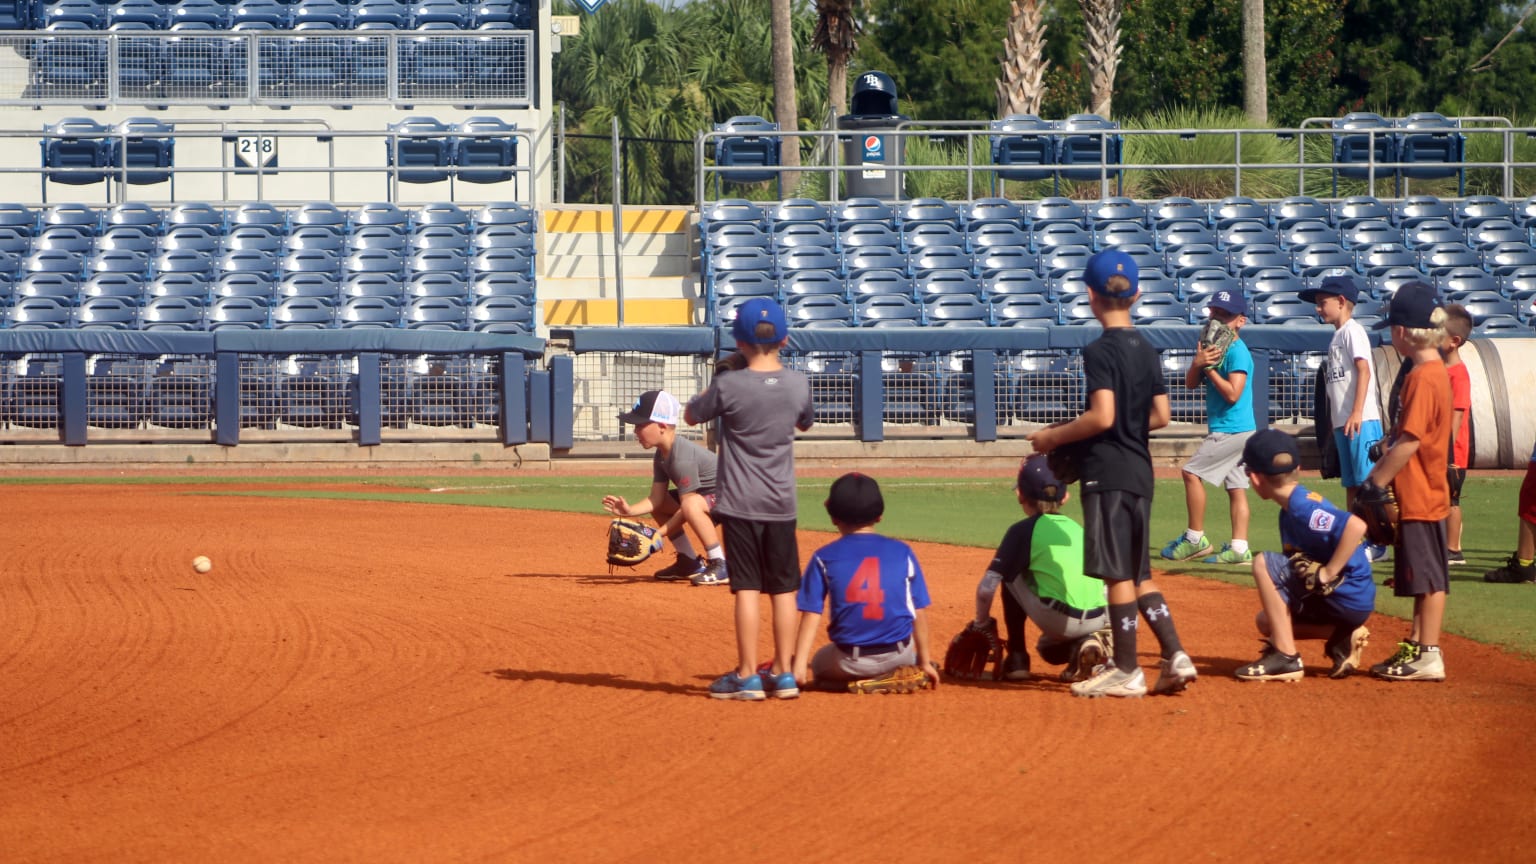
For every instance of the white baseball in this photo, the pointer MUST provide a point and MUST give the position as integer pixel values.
(201, 564)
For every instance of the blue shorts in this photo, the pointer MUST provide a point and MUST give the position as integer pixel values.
(1308, 608)
(1354, 462)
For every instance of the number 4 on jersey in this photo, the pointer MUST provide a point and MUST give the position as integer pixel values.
(865, 588)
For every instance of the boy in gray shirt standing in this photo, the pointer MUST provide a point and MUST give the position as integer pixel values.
(759, 409)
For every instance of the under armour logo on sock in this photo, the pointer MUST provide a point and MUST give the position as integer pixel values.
(1128, 623)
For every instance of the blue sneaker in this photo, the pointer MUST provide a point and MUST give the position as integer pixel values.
(780, 686)
(733, 686)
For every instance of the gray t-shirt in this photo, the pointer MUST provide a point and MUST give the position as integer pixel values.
(689, 467)
(759, 412)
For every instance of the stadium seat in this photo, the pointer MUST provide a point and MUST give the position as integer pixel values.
(1364, 142)
(315, 286)
(502, 315)
(1024, 146)
(1464, 282)
(1087, 147)
(929, 234)
(368, 313)
(171, 313)
(1506, 258)
(786, 234)
(243, 313)
(1116, 209)
(818, 310)
(1360, 208)
(1172, 235)
(934, 258)
(420, 149)
(799, 210)
(936, 282)
(742, 147)
(993, 259)
(887, 310)
(792, 258)
(1319, 258)
(752, 283)
(861, 259)
(107, 313)
(501, 285)
(993, 211)
(78, 151)
(955, 310)
(867, 283)
(1430, 232)
(1491, 232)
(126, 286)
(1430, 147)
(929, 211)
(38, 313)
(988, 234)
(1239, 233)
(484, 150)
(1184, 260)
(1177, 208)
(1010, 310)
(1306, 233)
(1415, 209)
(1441, 258)
(1477, 209)
(1377, 258)
(1236, 209)
(1300, 208)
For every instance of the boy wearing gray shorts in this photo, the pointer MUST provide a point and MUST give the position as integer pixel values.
(1229, 413)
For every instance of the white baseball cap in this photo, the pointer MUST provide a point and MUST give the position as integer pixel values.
(654, 406)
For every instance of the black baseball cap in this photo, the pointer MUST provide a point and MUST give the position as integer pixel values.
(1411, 306)
(1270, 452)
(1036, 480)
(855, 499)
(1339, 285)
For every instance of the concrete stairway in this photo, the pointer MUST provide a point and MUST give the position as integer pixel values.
(578, 271)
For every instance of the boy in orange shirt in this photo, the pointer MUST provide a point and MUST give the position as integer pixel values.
(1416, 463)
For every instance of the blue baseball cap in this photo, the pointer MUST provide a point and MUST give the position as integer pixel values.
(759, 310)
(1111, 262)
(1270, 452)
(1228, 300)
(1341, 285)
(1037, 480)
(1411, 306)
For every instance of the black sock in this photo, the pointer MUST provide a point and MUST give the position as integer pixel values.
(1013, 621)
(1122, 617)
(1161, 621)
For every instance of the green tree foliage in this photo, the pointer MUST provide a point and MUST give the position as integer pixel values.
(944, 56)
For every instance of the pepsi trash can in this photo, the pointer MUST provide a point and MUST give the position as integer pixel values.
(871, 149)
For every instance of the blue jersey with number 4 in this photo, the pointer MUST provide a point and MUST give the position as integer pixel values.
(874, 582)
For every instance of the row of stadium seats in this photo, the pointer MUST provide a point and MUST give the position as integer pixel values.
(1281, 215)
(221, 221)
(195, 64)
(320, 311)
(276, 14)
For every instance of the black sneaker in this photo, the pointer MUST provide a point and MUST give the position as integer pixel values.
(1454, 558)
(1016, 667)
(714, 573)
(1513, 572)
(1345, 648)
(683, 568)
(1273, 666)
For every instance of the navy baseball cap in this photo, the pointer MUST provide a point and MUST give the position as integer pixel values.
(1341, 285)
(759, 310)
(1036, 480)
(855, 499)
(1111, 262)
(1270, 452)
(1411, 306)
(1228, 300)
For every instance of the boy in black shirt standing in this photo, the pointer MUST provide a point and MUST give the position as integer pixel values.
(1126, 400)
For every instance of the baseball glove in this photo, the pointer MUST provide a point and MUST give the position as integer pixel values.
(1065, 463)
(972, 650)
(1311, 573)
(1217, 335)
(730, 363)
(1377, 507)
(630, 542)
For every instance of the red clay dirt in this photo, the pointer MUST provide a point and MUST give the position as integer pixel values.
(403, 682)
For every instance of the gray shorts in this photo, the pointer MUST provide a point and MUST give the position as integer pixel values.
(1418, 559)
(1219, 460)
(1059, 623)
(832, 663)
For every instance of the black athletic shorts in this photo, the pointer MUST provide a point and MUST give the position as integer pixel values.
(1117, 536)
(1418, 559)
(761, 556)
(1457, 477)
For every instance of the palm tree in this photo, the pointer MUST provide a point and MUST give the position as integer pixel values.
(1255, 76)
(1021, 88)
(1101, 19)
(785, 108)
(837, 32)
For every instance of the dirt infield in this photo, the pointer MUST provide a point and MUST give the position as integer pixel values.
(401, 682)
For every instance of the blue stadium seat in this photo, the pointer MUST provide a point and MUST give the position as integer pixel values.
(1360, 208)
(1477, 209)
(390, 13)
(1466, 281)
(1056, 234)
(1236, 209)
(303, 313)
(106, 313)
(818, 310)
(1086, 147)
(1373, 232)
(1387, 283)
(1300, 208)
(744, 147)
(887, 310)
(1177, 208)
(1172, 235)
(126, 286)
(314, 286)
(1116, 209)
(1309, 232)
(1076, 309)
(1482, 305)
(38, 313)
(935, 258)
(171, 313)
(368, 57)
(785, 234)
(210, 12)
(1064, 259)
(1005, 282)
(1491, 232)
(239, 313)
(1501, 324)
(928, 234)
(993, 211)
(78, 150)
(1441, 258)
(1317, 258)
(147, 150)
(1415, 209)
(1363, 138)
(368, 313)
(1431, 232)
(936, 282)
(1505, 258)
(800, 210)
(1184, 260)
(502, 315)
(860, 259)
(1204, 282)
(871, 282)
(1271, 281)
(988, 234)
(387, 286)
(1009, 310)
(955, 310)
(1279, 309)
(189, 286)
(502, 261)
(929, 211)
(118, 261)
(441, 213)
(792, 258)
(421, 149)
(992, 259)
(1239, 233)
(756, 283)
(484, 149)
(381, 213)
(1430, 147)
(1056, 210)
(1025, 146)
(254, 238)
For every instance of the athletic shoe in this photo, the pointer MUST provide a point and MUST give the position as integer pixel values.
(1345, 650)
(1016, 667)
(1512, 572)
(1181, 548)
(903, 679)
(1407, 651)
(1177, 673)
(1423, 665)
(1454, 558)
(1378, 553)
(684, 567)
(1228, 555)
(1091, 652)
(781, 686)
(1273, 666)
(1110, 681)
(712, 574)
(733, 686)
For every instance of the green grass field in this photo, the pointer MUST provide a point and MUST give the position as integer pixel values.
(975, 512)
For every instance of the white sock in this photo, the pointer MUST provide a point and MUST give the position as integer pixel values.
(715, 553)
(684, 546)
(1194, 536)
(1239, 546)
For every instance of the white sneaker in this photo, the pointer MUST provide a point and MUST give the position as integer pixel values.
(1177, 672)
(1110, 681)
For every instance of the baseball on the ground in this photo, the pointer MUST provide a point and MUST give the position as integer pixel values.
(201, 564)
